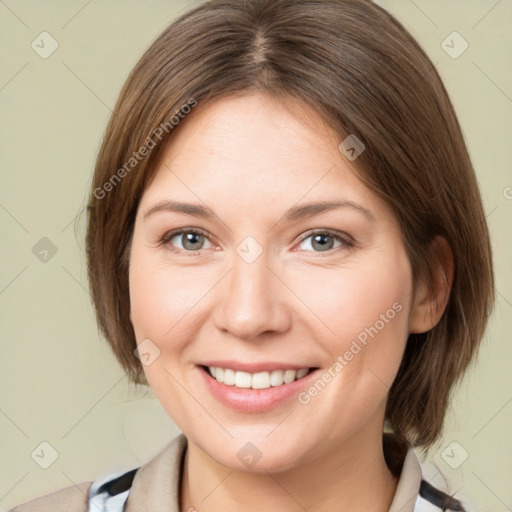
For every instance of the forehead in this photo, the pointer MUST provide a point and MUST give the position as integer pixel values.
(255, 151)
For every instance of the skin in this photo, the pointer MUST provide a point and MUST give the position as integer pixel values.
(250, 159)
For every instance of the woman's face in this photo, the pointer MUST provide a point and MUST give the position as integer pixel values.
(232, 267)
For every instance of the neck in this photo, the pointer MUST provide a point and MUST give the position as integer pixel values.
(353, 477)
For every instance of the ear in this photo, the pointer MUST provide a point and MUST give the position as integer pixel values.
(428, 307)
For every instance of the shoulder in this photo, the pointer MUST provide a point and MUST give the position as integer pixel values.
(98, 495)
(69, 499)
(152, 486)
(147, 486)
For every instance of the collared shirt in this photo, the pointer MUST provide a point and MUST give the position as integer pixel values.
(155, 486)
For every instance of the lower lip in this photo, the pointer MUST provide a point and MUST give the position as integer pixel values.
(254, 400)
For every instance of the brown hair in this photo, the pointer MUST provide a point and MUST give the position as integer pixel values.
(365, 75)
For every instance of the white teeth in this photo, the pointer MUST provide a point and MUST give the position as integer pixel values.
(243, 380)
(229, 377)
(276, 377)
(289, 376)
(260, 380)
(301, 373)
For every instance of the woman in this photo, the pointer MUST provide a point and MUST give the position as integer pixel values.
(286, 241)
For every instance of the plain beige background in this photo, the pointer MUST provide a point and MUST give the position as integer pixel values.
(59, 382)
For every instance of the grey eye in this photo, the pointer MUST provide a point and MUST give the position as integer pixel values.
(189, 241)
(321, 242)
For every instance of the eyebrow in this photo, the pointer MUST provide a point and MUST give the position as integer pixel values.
(293, 214)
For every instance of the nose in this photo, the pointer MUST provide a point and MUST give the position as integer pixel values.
(252, 300)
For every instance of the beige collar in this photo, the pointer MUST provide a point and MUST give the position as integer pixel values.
(156, 485)
(408, 484)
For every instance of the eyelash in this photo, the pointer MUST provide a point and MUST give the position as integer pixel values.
(347, 241)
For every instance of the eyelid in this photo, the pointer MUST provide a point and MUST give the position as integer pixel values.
(171, 234)
(327, 231)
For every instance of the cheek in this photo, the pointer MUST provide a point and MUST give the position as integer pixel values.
(364, 317)
(159, 303)
(351, 299)
(145, 292)
(167, 307)
(159, 298)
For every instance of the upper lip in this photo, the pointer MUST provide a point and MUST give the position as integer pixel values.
(254, 367)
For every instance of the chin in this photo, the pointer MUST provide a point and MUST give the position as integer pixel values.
(260, 456)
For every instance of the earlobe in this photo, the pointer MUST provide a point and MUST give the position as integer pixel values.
(430, 302)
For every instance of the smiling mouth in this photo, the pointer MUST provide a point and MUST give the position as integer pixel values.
(259, 380)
